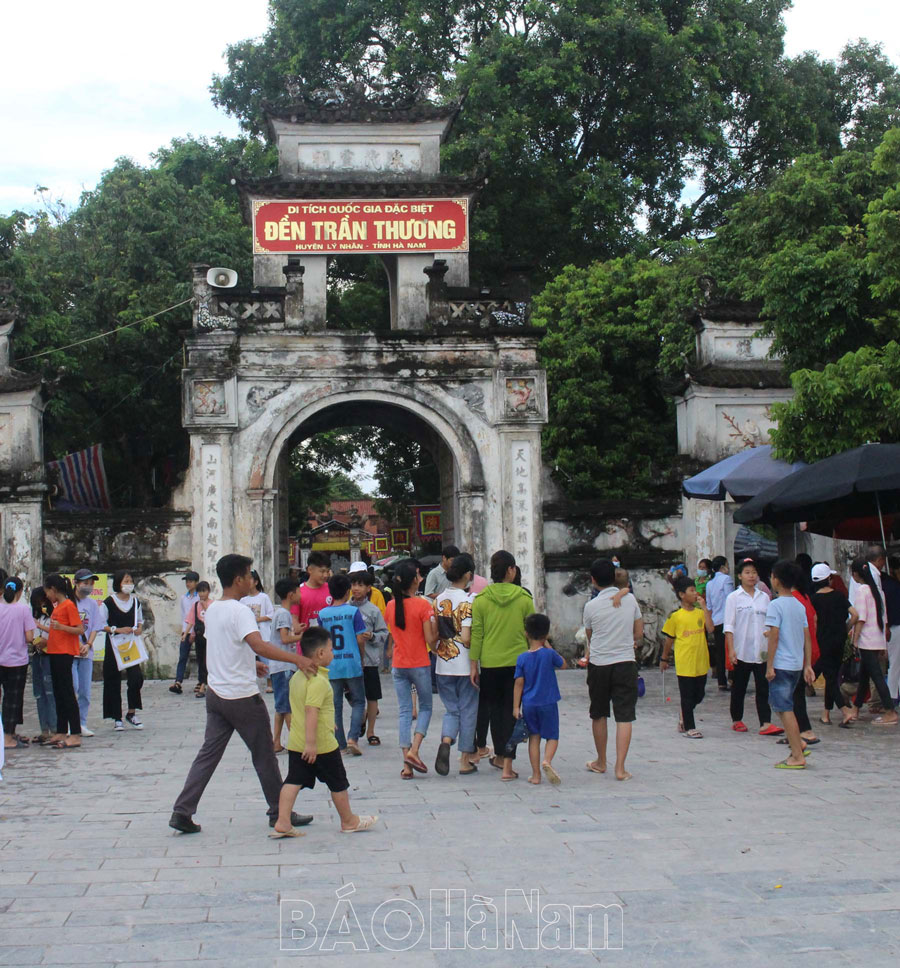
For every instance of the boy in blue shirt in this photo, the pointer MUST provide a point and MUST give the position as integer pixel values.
(347, 629)
(536, 696)
(789, 656)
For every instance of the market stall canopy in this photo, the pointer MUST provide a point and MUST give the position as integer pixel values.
(743, 475)
(859, 482)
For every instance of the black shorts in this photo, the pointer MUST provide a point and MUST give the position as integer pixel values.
(617, 682)
(328, 769)
(372, 683)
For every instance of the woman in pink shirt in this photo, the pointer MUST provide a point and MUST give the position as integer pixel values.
(16, 632)
(869, 638)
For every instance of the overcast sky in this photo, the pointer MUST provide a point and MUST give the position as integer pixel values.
(82, 83)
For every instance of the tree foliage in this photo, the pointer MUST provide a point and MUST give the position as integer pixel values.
(117, 259)
(595, 111)
(611, 427)
(851, 402)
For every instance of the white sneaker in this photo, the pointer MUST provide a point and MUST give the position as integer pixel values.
(133, 720)
(118, 724)
(86, 732)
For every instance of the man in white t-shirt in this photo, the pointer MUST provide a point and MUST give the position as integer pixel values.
(233, 702)
(613, 632)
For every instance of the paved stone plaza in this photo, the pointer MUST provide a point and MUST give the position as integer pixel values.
(715, 857)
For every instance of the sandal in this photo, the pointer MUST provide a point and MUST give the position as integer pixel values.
(176, 688)
(364, 824)
(694, 734)
(412, 760)
(472, 769)
(406, 776)
(373, 740)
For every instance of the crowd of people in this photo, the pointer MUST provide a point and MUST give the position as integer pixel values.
(475, 642)
(53, 633)
(808, 624)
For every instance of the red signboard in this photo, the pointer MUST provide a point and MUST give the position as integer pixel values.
(323, 226)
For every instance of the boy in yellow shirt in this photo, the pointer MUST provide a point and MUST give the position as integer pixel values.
(686, 629)
(313, 752)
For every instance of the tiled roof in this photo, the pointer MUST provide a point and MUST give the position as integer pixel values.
(360, 113)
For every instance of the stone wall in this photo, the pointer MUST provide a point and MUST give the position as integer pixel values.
(647, 538)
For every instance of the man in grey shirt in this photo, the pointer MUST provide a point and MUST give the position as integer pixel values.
(436, 582)
(613, 628)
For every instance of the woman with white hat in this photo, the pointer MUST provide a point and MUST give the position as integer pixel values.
(833, 612)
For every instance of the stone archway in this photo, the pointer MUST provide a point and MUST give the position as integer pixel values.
(391, 409)
(262, 366)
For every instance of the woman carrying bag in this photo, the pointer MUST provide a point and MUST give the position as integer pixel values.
(123, 620)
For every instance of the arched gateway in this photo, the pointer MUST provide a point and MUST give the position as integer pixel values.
(458, 371)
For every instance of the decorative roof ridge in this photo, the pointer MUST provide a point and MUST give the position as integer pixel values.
(360, 112)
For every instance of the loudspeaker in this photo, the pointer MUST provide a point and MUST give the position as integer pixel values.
(222, 278)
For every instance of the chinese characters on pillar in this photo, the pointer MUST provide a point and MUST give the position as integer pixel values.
(522, 507)
(211, 505)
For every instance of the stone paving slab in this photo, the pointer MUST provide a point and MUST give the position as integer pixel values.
(711, 856)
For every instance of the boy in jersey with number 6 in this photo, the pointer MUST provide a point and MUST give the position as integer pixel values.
(347, 629)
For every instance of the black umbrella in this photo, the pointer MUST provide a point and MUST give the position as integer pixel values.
(865, 480)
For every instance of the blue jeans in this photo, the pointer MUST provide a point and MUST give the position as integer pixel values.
(404, 680)
(460, 699)
(357, 708)
(82, 672)
(184, 652)
(42, 686)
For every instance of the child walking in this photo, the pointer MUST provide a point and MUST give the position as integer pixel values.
(347, 629)
(536, 696)
(360, 588)
(284, 636)
(313, 752)
(789, 656)
(685, 630)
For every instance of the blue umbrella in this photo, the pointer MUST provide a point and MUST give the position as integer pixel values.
(743, 475)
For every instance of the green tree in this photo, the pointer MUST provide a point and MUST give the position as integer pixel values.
(851, 402)
(117, 259)
(595, 112)
(819, 249)
(611, 429)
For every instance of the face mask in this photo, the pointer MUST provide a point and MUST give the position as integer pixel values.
(84, 591)
(128, 589)
(701, 573)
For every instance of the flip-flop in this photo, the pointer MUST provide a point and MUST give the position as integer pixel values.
(496, 766)
(771, 730)
(694, 734)
(881, 721)
(374, 741)
(279, 835)
(415, 763)
(506, 779)
(784, 765)
(825, 722)
(846, 725)
(813, 741)
(551, 774)
(442, 762)
(474, 769)
(406, 776)
(354, 750)
(18, 745)
(364, 824)
(591, 768)
(65, 746)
